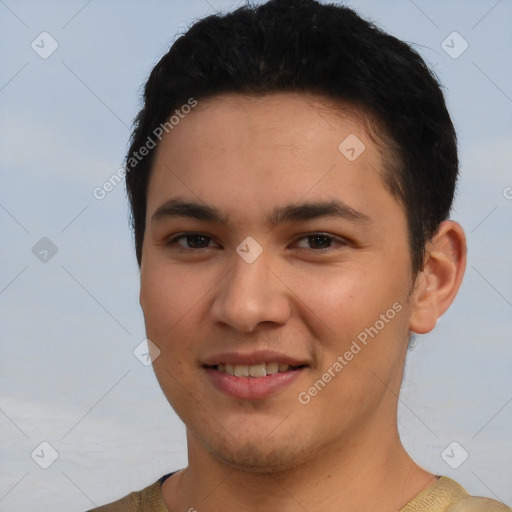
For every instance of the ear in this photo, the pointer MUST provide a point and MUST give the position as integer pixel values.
(439, 281)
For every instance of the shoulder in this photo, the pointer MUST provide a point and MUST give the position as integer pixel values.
(446, 495)
(478, 504)
(130, 503)
(148, 499)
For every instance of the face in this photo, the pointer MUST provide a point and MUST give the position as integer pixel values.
(274, 253)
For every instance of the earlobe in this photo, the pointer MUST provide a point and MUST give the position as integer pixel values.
(439, 281)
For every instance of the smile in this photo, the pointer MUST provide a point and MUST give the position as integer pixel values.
(254, 370)
(254, 381)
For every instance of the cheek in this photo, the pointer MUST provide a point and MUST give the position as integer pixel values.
(350, 302)
(167, 296)
(342, 298)
(169, 303)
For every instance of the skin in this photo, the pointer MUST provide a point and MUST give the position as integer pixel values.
(341, 451)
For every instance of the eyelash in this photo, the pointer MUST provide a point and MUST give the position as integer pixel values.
(173, 241)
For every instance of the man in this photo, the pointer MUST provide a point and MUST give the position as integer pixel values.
(291, 175)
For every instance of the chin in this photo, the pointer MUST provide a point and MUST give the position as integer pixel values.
(252, 458)
(257, 454)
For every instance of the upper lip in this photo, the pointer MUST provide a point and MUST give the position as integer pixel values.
(255, 357)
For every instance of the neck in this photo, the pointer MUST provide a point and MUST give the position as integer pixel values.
(368, 472)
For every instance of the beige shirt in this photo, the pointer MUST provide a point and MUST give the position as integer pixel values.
(445, 495)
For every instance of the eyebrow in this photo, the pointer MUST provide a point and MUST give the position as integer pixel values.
(293, 212)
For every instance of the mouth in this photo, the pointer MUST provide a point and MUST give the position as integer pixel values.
(251, 378)
(254, 371)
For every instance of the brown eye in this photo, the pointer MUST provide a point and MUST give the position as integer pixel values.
(320, 241)
(192, 241)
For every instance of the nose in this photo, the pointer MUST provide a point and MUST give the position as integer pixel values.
(249, 294)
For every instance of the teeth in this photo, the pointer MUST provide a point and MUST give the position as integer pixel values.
(241, 370)
(254, 370)
(272, 368)
(257, 370)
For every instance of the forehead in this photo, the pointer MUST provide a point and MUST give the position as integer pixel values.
(268, 150)
(275, 119)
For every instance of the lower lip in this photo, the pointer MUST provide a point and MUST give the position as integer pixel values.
(252, 388)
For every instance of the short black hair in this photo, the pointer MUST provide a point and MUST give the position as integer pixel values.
(308, 47)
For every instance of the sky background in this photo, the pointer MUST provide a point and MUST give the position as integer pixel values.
(70, 324)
